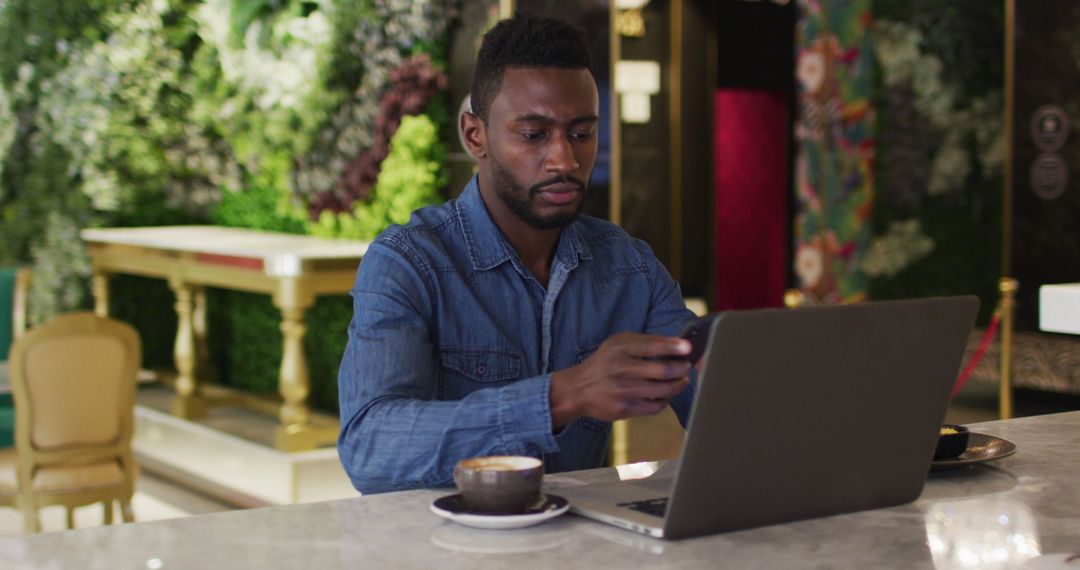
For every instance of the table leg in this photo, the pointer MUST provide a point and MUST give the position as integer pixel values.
(99, 286)
(198, 326)
(294, 383)
(187, 403)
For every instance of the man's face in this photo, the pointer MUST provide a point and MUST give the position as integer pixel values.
(541, 144)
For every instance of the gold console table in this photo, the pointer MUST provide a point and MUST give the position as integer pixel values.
(292, 269)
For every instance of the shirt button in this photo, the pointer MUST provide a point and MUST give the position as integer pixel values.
(481, 370)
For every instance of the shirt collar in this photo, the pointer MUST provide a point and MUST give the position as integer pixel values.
(488, 247)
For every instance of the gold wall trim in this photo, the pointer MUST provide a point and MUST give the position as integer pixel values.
(619, 445)
(675, 263)
(1010, 112)
(615, 160)
(713, 75)
(506, 9)
(1007, 285)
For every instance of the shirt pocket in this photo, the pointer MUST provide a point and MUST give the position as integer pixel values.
(467, 369)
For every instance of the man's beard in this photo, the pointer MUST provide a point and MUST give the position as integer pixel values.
(519, 200)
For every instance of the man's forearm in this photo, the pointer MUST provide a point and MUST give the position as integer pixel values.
(398, 443)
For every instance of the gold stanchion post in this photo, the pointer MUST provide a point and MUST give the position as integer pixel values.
(620, 442)
(1008, 287)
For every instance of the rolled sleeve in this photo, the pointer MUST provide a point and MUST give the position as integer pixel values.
(525, 416)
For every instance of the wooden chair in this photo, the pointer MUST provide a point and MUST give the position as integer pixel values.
(74, 383)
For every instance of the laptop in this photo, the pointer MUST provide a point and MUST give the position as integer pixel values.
(801, 413)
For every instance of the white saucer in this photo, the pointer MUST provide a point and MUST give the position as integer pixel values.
(453, 508)
(461, 538)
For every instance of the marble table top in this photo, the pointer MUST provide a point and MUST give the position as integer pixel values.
(1020, 511)
(228, 241)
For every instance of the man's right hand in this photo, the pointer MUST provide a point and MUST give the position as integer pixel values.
(627, 376)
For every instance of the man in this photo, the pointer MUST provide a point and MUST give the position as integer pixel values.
(503, 322)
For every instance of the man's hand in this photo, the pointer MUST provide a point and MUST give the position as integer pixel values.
(627, 376)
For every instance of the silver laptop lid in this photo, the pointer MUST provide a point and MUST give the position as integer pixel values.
(816, 411)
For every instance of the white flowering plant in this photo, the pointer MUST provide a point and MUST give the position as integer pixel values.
(939, 150)
(124, 112)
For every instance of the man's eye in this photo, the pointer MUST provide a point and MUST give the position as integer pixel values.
(532, 135)
(581, 135)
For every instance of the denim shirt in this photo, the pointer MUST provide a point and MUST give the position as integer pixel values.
(453, 342)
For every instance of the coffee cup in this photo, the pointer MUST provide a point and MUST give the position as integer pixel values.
(499, 483)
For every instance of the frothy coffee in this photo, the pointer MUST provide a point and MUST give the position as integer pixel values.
(501, 463)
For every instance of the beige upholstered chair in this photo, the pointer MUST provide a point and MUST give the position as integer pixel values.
(74, 386)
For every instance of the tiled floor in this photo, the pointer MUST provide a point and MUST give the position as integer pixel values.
(155, 499)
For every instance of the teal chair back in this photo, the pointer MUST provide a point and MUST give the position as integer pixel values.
(8, 277)
(7, 310)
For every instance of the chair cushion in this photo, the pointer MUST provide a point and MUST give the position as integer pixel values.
(60, 478)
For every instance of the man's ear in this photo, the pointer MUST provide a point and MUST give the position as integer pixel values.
(473, 135)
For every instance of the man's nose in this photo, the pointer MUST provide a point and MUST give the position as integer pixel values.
(560, 156)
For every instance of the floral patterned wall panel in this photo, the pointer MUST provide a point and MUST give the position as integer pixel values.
(834, 154)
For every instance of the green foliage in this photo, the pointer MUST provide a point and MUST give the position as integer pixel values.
(245, 343)
(244, 13)
(261, 208)
(61, 269)
(245, 339)
(166, 112)
(410, 177)
(24, 209)
(967, 35)
(939, 151)
(146, 304)
(38, 31)
(345, 66)
(328, 326)
(262, 88)
(35, 35)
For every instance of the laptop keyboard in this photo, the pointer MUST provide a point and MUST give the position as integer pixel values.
(655, 507)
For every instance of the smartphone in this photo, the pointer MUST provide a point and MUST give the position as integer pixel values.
(697, 332)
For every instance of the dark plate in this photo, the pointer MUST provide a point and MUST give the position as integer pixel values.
(981, 448)
(454, 504)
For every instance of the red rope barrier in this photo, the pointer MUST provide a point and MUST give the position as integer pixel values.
(979, 352)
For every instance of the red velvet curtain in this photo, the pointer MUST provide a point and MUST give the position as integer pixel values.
(751, 229)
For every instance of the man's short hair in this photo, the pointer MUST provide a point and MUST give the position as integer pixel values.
(524, 41)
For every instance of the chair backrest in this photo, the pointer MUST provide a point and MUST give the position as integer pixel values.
(74, 381)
